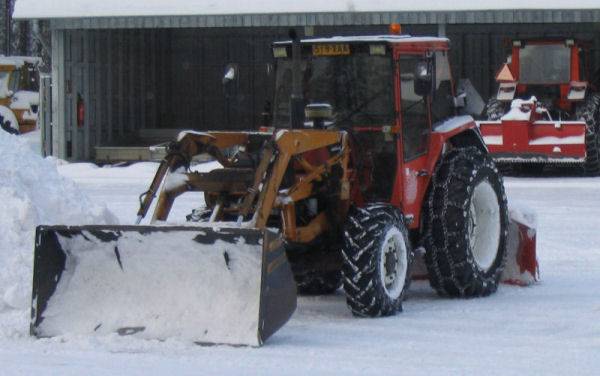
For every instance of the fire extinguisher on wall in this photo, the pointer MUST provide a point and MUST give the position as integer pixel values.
(80, 111)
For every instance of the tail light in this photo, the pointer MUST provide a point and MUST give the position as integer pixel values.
(80, 112)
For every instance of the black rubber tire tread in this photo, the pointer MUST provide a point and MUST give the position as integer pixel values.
(318, 283)
(448, 257)
(589, 112)
(364, 232)
(494, 109)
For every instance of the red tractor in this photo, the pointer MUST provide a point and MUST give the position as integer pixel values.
(367, 164)
(547, 107)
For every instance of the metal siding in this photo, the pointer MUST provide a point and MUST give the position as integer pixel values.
(334, 19)
(171, 78)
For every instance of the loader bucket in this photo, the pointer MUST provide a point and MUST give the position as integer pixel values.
(211, 286)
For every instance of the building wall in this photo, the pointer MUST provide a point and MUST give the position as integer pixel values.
(145, 79)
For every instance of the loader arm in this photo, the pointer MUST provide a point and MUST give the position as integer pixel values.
(258, 190)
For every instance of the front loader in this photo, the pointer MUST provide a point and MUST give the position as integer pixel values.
(366, 163)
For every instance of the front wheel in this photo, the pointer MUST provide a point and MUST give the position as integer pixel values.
(465, 225)
(377, 258)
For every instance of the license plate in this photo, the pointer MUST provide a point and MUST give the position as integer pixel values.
(331, 49)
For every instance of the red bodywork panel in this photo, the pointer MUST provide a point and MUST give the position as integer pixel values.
(531, 138)
(413, 177)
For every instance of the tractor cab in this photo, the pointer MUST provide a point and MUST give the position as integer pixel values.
(555, 72)
(355, 78)
(389, 92)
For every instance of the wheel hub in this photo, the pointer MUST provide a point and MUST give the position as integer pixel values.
(483, 225)
(393, 263)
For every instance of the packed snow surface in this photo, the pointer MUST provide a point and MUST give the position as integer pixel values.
(116, 8)
(32, 193)
(550, 328)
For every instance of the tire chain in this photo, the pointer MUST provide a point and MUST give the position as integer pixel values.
(438, 258)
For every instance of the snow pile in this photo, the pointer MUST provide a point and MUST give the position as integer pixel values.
(32, 193)
(520, 110)
(523, 214)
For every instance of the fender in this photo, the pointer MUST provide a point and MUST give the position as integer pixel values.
(459, 131)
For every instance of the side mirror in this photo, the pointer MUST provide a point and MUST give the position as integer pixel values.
(460, 101)
(423, 78)
(230, 80)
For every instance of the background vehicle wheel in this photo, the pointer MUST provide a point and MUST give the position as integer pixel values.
(494, 109)
(8, 120)
(466, 221)
(377, 258)
(589, 112)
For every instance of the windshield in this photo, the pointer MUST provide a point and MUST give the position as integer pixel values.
(359, 88)
(544, 64)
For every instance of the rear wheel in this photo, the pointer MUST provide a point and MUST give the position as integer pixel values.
(377, 258)
(8, 121)
(465, 219)
(589, 112)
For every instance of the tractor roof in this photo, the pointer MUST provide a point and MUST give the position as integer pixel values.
(391, 39)
(19, 61)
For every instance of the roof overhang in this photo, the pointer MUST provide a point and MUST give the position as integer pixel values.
(230, 13)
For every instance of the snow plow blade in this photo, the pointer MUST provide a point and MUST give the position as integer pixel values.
(522, 267)
(211, 286)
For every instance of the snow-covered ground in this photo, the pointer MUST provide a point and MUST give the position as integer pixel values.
(550, 328)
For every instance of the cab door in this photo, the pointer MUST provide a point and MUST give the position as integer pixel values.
(415, 123)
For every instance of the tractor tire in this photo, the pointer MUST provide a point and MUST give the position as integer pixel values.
(494, 109)
(589, 112)
(465, 225)
(8, 121)
(377, 258)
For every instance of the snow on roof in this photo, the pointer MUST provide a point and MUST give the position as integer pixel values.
(42, 9)
(19, 61)
(376, 38)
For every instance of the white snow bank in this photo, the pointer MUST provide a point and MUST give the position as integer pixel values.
(32, 193)
(118, 8)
